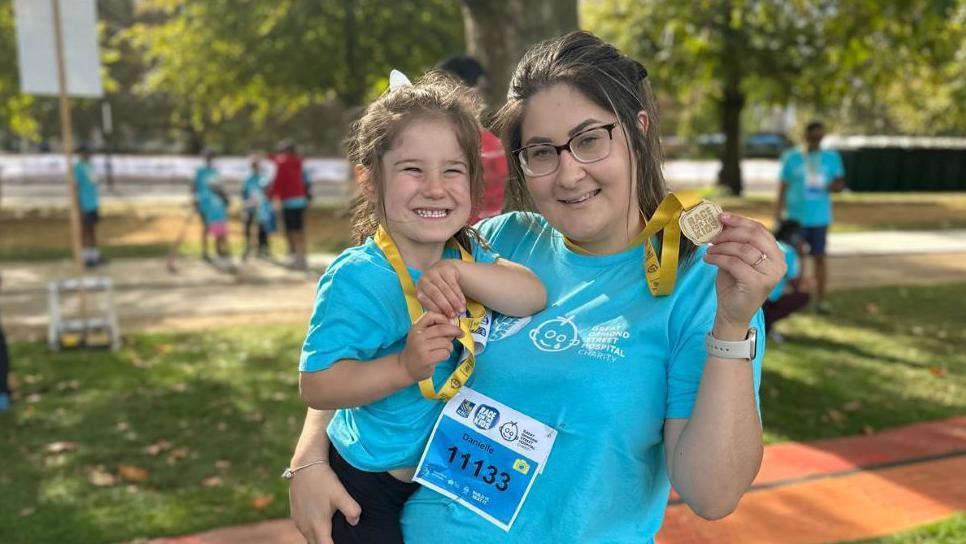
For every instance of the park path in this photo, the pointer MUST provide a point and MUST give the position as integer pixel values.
(806, 493)
(149, 297)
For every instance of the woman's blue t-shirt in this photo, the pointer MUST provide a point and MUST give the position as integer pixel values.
(605, 364)
(360, 313)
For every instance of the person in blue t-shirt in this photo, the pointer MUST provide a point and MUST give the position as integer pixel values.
(206, 176)
(416, 151)
(807, 177)
(258, 209)
(792, 292)
(87, 200)
(643, 390)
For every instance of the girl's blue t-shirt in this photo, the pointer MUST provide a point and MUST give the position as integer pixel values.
(86, 186)
(360, 313)
(605, 364)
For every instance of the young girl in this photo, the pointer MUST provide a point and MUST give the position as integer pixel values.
(416, 151)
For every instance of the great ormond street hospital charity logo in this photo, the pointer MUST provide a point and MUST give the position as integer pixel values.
(557, 334)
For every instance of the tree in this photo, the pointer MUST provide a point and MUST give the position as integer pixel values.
(222, 60)
(816, 54)
(499, 31)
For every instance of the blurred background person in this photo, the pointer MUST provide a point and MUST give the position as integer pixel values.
(807, 176)
(291, 190)
(87, 200)
(205, 176)
(258, 210)
(471, 72)
(792, 292)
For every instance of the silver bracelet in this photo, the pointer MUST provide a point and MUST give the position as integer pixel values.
(289, 472)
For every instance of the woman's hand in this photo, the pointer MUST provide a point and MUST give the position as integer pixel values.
(439, 289)
(744, 278)
(315, 493)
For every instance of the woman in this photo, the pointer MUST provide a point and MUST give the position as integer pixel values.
(623, 376)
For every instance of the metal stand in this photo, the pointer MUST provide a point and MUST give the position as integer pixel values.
(91, 329)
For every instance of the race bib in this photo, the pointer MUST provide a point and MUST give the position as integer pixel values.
(485, 455)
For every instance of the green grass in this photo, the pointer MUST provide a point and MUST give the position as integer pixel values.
(205, 398)
(948, 531)
(224, 404)
(885, 357)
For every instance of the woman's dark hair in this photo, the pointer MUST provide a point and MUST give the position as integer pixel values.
(611, 80)
(788, 231)
(433, 96)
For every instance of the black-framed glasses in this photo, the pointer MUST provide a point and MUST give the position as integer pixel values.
(586, 147)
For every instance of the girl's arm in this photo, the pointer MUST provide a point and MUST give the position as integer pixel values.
(315, 492)
(504, 286)
(349, 383)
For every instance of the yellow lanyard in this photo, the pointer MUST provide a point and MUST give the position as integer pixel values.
(660, 275)
(464, 370)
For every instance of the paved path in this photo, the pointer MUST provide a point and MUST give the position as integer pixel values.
(149, 297)
(806, 493)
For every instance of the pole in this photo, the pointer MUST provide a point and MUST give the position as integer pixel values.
(107, 122)
(67, 136)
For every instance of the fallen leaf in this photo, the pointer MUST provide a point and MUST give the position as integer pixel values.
(868, 430)
(871, 308)
(122, 426)
(222, 464)
(179, 453)
(180, 387)
(213, 481)
(279, 396)
(222, 426)
(61, 447)
(34, 398)
(917, 330)
(29, 511)
(938, 371)
(262, 502)
(163, 348)
(132, 473)
(835, 416)
(99, 477)
(852, 406)
(156, 448)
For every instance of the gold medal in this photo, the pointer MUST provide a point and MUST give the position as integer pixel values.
(701, 224)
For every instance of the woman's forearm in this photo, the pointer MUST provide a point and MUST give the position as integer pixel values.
(313, 443)
(719, 451)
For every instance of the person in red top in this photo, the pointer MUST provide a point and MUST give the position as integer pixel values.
(290, 189)
(495, 170)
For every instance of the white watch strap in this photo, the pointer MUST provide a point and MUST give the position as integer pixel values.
(742, 349)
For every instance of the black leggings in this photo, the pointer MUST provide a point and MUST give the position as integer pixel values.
(381, 497)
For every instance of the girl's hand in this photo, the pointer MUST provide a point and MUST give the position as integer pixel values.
(744, 278)
(315, 493)
(429, 342)
(439, 289)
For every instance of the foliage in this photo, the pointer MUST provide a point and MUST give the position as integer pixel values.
(218, 60)
(870, 66)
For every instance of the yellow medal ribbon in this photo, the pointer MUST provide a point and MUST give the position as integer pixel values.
(464, 370)
(662, 274)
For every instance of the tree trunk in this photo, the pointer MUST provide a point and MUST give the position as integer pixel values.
(499, 31)
(731, 106)
(733, 101)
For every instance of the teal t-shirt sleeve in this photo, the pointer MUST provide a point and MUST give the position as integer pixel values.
(837, 170)
(481, 254)
(691, 318)
(348, 321)
(785, 170)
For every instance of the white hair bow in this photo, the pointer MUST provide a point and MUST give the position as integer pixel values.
(398, 80)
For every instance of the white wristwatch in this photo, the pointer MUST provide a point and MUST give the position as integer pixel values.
(742, 349)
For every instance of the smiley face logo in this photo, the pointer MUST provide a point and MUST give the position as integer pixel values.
(509, 431)
(557, 334)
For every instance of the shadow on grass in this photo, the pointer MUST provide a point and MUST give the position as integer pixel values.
(191, 432)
